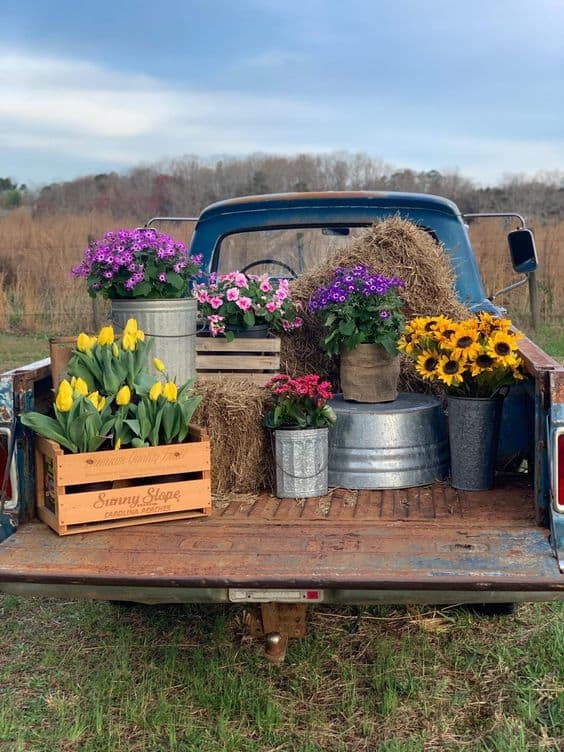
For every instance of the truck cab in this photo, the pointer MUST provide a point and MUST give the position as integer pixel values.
(428, 545)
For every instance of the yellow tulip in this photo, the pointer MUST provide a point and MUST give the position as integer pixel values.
(101, 404)
(63, 400)
(156, 391)
(123, 397)
(84, 342)
(128, 342)
(140, 335)
(115, 350)
(94, 397)
(159, 365)
(118, 444)
(131, 327)
(106, 335)
(170, 391)
(80, 386)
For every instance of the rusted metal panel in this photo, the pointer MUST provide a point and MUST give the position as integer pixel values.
(536, 360)
(484, 541)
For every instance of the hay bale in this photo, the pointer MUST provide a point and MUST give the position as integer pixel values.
(397, 248)
(231, 410)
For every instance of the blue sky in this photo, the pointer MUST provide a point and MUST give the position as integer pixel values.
(476, 86)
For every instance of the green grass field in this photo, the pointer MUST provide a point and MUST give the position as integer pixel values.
(100, 677)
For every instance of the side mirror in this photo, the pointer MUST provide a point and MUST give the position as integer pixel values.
(523, 251)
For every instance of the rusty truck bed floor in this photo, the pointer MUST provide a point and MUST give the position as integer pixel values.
(433, 538)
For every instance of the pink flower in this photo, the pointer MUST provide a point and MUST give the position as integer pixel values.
(202, 296)
(240, 280)
(298, 321)
(216, 302)
(244, 303)
(232, 293)
(265, 286)
(215, 318)
(281, 294)
(272, 306)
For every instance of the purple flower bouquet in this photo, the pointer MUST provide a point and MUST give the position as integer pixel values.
(359, 307)
(141, 263)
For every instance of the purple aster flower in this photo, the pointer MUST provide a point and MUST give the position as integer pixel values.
(384, 314)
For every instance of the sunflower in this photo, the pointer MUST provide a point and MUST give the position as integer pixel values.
(488, 323)
(464, 342)
(419, 325)
(450, 371)
(426, 365)
(482, 362)
(408, 341)
(503, 346)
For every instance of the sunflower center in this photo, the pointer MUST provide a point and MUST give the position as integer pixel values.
(464, 341)
(430, 364)
(451, 367)
(429, 325)
(502, 348)
(448, 333)
(484, 361)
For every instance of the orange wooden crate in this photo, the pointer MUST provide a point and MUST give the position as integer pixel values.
(131, 486)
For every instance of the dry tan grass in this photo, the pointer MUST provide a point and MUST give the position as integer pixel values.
(489, 239)
(37, 293)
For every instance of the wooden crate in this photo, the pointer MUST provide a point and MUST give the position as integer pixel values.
(78, 493)
(254, 359)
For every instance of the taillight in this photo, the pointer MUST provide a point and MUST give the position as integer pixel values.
(559, 459)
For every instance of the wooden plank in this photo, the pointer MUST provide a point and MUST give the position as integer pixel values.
(133, 501)
(239, 363)
(124, 464)
(254, 378)
(209, 344)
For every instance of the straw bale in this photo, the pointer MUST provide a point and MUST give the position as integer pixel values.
(231, 410)
(397, 248)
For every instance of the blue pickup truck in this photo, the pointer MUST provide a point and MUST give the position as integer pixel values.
(434, 545)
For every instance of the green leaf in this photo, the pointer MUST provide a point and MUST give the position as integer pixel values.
(175, 280)
(49, 428)
(347, 328)
(249, 318)
(142, 290)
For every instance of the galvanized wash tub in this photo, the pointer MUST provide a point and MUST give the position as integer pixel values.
(396, 444)
(171, 324)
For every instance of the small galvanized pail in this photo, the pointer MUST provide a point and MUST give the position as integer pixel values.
(171, 324)
(473, 424)
(301, 457)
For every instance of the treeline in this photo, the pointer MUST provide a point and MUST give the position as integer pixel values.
(185, 186)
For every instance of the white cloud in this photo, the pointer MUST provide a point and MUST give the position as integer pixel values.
(77, 108)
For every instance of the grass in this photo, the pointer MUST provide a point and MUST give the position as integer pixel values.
(99, 677)
(19, 349)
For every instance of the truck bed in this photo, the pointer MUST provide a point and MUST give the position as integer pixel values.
(430, 539)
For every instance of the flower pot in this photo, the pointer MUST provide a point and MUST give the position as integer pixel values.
(258, 331)
(369, 374)
(171, 324)
(301, 462)
(473, 437)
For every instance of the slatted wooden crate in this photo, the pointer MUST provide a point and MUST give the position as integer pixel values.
(79, 493)
(254, 359)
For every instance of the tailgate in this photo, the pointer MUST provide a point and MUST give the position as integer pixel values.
(430, 539)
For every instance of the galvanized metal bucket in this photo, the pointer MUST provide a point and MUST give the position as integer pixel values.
(473, 424)
(301, 462)
(171, 324)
